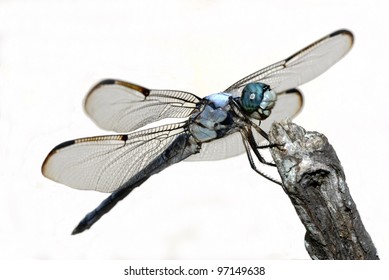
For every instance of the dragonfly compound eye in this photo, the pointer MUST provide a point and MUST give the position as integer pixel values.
(252, 96)
(258, 100)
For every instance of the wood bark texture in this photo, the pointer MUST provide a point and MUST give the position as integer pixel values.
(314, 180)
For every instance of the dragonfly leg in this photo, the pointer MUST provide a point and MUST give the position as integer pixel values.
(254, 146)
(268, 146)
(264, 135)
(260, 131)
(248, 148)
(105, 206)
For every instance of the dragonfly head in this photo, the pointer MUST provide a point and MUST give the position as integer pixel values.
(257, 100)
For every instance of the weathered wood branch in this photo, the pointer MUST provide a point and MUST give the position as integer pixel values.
(314, 180)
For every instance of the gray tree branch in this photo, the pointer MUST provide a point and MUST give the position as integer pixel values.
(314, 180)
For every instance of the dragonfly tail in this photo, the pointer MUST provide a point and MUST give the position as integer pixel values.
(105, 206)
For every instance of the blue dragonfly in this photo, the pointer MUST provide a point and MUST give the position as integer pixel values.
(218, 126)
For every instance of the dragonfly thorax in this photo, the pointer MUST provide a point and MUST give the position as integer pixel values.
(215, 118)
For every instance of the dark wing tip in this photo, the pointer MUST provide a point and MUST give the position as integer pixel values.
(63, 145)
(102, 83)
(300, 95)
(343, 32)
(108, 82)
(143, 90)
(53, 151)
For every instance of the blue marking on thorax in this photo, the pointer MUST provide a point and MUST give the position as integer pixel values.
(215, 120)
(219, 99)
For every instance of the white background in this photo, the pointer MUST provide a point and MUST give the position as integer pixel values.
(52, 52)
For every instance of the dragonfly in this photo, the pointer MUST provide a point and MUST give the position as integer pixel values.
(218, 126)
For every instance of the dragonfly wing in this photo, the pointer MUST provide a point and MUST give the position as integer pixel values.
(108, 163)
(301, 67)
(288, 105)
(123, 107)
(226, 147)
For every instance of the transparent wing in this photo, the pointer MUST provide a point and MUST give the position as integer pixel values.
(288, 105)
(221, 148)
(123, 107)
(107, 163)
(303, 66)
